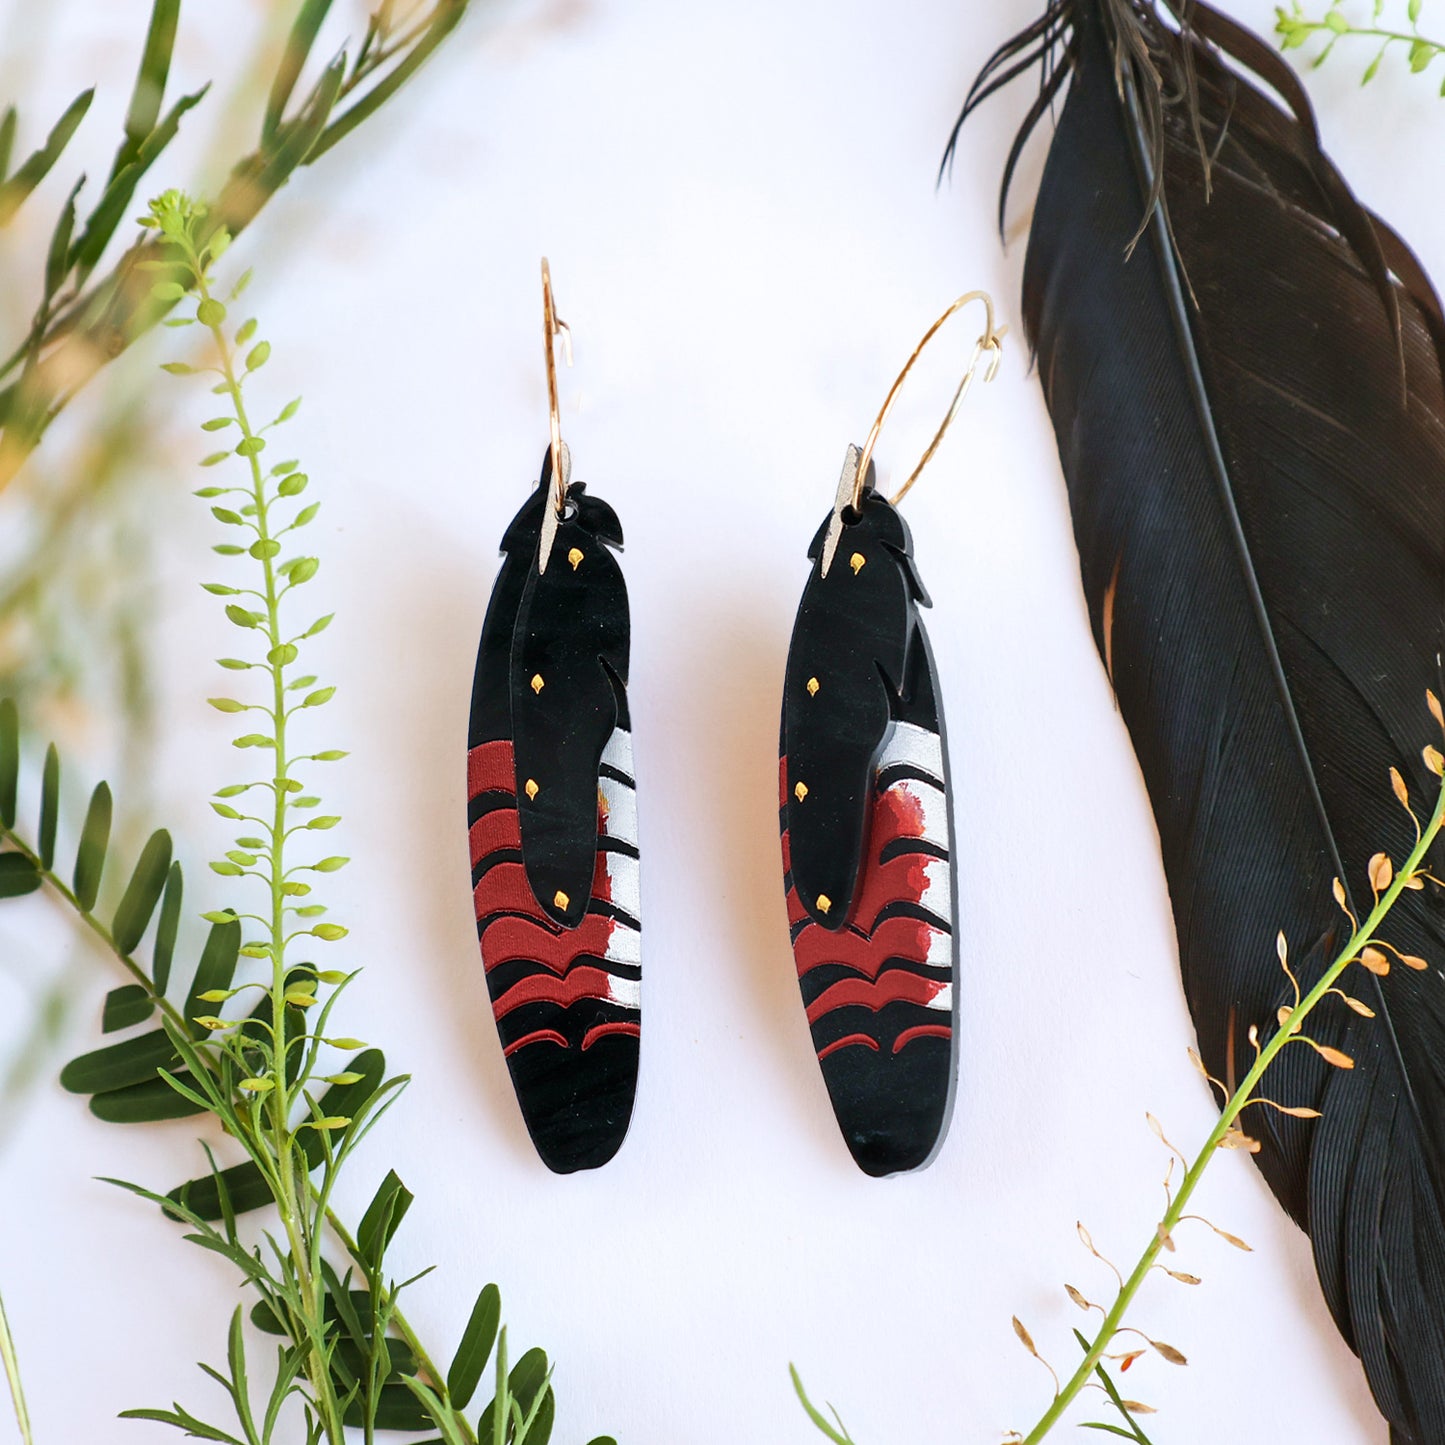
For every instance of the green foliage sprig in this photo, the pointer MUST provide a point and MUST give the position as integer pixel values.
(1366, 950)
(82, 323)
(1296, 28)
(346, 1355)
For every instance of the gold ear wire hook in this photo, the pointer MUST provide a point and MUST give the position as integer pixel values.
(553, 327)
(991, 341)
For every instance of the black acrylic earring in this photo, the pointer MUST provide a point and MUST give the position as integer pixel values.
(866, 817)
(552, 812)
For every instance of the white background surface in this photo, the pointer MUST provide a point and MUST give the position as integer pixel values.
(739, 206)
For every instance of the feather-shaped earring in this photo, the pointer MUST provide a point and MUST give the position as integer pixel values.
(1244, 369)
(552, 812)
(866, 819)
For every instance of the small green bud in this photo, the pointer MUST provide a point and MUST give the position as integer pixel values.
(245, 331)
(168, 291)
(343, 1079)
(210, 312)
(257, 1086)
(265, 547)
(219, 915)
(215, 459)
(282, 654)
(225, 810)
(226, 704)
(226, 870)
(320, 823)
(292, 485)
(331, 755)
(330, 932)
(293, 889)
(209, 1021)
(258, 356)
(217, 422)
(251, 446)
(216, 995)
(241, 617)
(317, 698)
(303, 570)
(330, 865)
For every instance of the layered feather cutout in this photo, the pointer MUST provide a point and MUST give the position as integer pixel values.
(552, 820)
(867, 842)
(1243, 366)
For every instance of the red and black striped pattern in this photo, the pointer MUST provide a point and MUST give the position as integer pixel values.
(884, 982)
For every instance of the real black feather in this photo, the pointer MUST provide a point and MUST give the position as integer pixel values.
(1247, 396)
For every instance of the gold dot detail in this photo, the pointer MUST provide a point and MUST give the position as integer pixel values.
(824, 903)
(800, 792)
(856, 562)
(532, 789)
(813, 686)
(560, 899)
(575, 557)
(537, 683)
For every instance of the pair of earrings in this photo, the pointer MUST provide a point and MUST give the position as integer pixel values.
(866, 823)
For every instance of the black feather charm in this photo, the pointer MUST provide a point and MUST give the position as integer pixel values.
(867, 837)
(1244, 369)
(553, 824)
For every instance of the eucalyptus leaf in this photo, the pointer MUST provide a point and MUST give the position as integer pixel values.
(167, 928)
(118, 1066)
(145, 1103)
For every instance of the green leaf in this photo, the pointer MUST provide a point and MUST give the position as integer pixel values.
(285, 414)
(7, 139)
(57, 259)
(115, 200)
(320, 625)
(118, 1066)
(49, 806)
(94, 840)
(396, 1409)
(216, 969)
(18, 875)
(442, 20)
(383, 1215)
(167, 928)
(183, 1420)
(125, 1007)
(150, 81)
(1422, 52)
(37, 167)
(293, 59)
(528, 1376)
(475, 1348)
(146, 1103)
(245, 1188)
(540, 1430)
(142, 893)
(216, 423)
(306, 514)
(214, 460)
(9, 760)
(167, 291)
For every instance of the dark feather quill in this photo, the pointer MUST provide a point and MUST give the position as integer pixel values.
(1244, 370)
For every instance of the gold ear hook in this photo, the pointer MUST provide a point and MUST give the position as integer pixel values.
(991, 342)
(553, 327)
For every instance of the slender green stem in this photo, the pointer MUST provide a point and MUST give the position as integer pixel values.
(291, 1171)
(1242, 1097)
(12, 1376)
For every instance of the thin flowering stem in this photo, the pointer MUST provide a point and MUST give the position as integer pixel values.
(1287, 1033)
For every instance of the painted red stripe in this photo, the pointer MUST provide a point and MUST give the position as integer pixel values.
(501, 828)
(601, 880)
(579, 983)
(787, 852)
(846, 1043)
(491, 768)
(903, 879)
(904, 938)
(537, 1036)
(602, 1031)
(898, 813)
(783, 780)
(503, 888)
(895, 985)
(922, 1031)
(510, 940)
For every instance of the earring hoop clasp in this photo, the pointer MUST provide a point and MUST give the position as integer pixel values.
(991, 342)
(554, 327)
